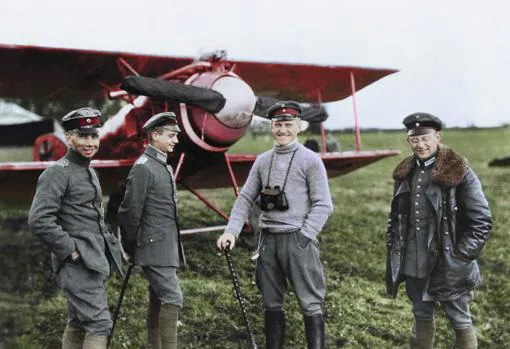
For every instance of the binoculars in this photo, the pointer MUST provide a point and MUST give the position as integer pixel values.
(273, 198)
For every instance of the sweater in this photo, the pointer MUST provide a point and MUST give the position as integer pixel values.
(306, 189)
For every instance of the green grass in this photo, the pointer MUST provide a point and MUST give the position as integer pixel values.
(16, 154)
(358, 314)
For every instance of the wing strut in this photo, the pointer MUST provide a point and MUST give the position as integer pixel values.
(355, 110)
(232, 176)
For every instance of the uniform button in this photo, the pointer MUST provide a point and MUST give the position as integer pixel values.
(418, 195)
(417, 211)
(416, 203)
(418, 228)
(422, 171)
(447, 248)
(417, 220)
(150, 240)
(445, 217)
(419, 186)
(445, 233)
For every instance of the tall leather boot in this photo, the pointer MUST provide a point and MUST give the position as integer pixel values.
(274, 325)
(466, 338)
(314, 330)
(168, 317)
(93, 341)
(72, 337)
(153, 335)
(422, 334)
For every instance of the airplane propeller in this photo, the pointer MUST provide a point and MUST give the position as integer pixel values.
(206, 98)
(162, 90)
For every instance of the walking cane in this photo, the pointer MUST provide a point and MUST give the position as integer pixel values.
(239, 295)
(119, 302)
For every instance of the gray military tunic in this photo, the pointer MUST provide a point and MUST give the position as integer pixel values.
(149, 226)
(148, 213)
(67, 215)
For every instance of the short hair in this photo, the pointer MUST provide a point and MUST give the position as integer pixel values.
(159, 130)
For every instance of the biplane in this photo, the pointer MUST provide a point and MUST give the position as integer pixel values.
(214, 98)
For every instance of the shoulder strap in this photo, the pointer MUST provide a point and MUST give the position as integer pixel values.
(288, 168)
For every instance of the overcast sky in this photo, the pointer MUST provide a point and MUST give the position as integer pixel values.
(453, 55)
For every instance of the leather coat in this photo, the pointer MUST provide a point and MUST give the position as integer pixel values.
(462, 218)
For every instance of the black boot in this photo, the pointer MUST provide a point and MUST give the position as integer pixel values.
(314, 329)
(274, 323)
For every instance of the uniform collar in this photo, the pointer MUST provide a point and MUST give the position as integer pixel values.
(77, 159)
(427, 163)
(156, 154)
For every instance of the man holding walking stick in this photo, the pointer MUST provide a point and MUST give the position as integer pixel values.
(150, 230)
(291, 184)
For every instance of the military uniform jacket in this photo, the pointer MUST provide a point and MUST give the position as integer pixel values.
(462, 225)
(67, 215)
(148, 213)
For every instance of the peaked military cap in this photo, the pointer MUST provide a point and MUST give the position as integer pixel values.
(284, 111)
(167, 119)
(83, 120)
(421, 123)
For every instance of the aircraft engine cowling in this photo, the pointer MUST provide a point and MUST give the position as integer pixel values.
(217, 131)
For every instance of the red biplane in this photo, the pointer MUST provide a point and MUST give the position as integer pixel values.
(214, 99)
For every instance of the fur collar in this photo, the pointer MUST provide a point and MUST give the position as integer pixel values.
(448, 171)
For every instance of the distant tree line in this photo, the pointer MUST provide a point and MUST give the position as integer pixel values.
(57, 109)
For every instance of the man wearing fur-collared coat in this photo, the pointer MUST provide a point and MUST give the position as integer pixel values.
(438, 225)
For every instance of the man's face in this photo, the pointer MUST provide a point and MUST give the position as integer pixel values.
(285, 132)
(86, 145)
(424, 146)
(164, 141)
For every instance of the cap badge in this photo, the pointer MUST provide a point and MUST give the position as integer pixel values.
(88, 121)
(418, 116)
(417, 124)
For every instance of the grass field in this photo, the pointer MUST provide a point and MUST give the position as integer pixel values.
(358, 315)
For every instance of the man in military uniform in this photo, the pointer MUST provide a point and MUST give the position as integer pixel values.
(150, 231)
(438, 226)
(291, 184)
(67, 215)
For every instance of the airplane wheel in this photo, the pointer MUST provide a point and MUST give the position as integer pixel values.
(251, 239)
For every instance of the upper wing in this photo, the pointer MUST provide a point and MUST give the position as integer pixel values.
(41, 73)
(306, 82)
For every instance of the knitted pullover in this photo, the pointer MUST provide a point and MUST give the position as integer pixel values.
(307, 192)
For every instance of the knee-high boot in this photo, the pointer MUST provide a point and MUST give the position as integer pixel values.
(93, 341)
(72, 337)
(314, 330)
(274, 324)
(153, 334)
(168, 317)
(423, 334)
(466, 338)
